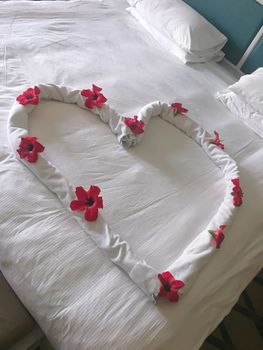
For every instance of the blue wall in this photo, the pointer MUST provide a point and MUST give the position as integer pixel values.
(239, 20)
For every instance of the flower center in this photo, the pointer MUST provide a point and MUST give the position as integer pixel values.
(28, 96)
(30, 147)
(95, 96)
(89, 202)
(167, 287)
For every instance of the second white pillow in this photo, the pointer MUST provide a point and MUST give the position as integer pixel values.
(250, 89)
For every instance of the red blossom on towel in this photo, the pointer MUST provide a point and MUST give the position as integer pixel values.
(136, 126)
(94, 97)
(237, 193)
(218, 235)
(170, 286)
(217, 140)
(88, 201)
(31, 96)
(178, 108)
(29, 148)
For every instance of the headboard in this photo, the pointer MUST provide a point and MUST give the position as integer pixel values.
(255, 59)
(239, 20)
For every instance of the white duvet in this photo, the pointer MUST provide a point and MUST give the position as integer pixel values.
(158, 195)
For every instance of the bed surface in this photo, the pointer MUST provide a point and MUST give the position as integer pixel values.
(157, 195)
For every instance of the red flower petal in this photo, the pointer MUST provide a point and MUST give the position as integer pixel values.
(21, 153)
(21, 99)
(100, 100)
(77, 205)
(173, 296)
(217, 140)
(238, 201)
(89, 103)
(34, 100)
(166, 277)
(93, 191)
(176, 105)
(86, 93)
(38, 147)
(100, 202)
(29, 92)
(177, 284)
(32, 157)
(219, 237)
(36, 90)
(91, 213)
(96, 89)
(235, 181)
(29, 138)
(81, 193)
(162, 292)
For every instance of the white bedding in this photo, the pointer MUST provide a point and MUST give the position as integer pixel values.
(157, 194)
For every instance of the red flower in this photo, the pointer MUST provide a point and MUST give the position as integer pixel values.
(217, 140)
(135, 125)
(31, 95)
(170, 286)
(94, 97)
(29, 148)
(218, 235)
(178, 107)
(88, 201)
(237, 193)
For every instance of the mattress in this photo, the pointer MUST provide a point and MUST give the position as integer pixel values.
(158, 195)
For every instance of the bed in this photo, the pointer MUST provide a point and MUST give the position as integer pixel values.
(157, 196)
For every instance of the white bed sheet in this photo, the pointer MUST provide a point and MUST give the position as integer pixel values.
(157, 195)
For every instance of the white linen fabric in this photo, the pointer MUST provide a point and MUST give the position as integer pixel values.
(243, 110)
(118, 250)
(250, 89)
(180, 28)
(157, 196)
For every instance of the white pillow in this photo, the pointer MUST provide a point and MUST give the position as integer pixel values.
(250, 89)
(243, 110)
(171, 46)
(182, 25)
